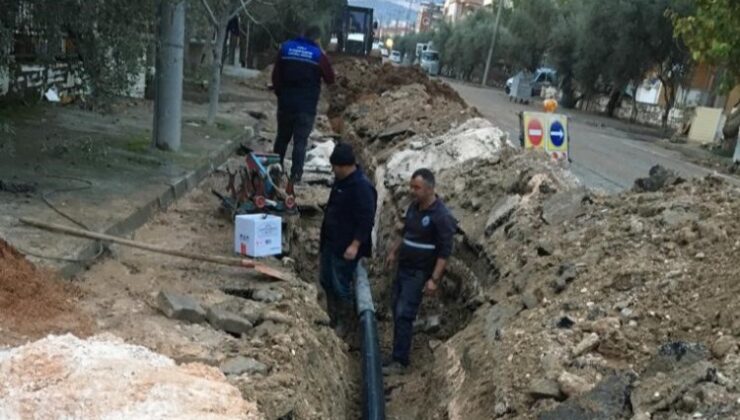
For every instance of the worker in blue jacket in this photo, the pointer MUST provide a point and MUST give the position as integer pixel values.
(421, 253)
(296, 78)
(345, 233)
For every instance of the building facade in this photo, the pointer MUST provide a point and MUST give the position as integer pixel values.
(455, 10)
(429, 14)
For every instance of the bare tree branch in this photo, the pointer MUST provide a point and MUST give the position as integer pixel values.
(258, 23)
(210, 12)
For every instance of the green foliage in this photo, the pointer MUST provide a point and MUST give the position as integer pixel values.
(712, 34)
(272, 22)
(531, 24)
(108, 37)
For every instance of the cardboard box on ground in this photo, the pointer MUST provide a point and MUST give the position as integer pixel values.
(258, 235)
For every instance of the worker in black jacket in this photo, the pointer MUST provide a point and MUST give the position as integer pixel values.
(300, 67)
(422, 253)
(345, 233)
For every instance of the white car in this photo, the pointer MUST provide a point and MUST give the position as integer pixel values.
(396, 57)
(430, 62)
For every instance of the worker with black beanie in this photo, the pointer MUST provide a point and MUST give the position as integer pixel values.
(345, 233)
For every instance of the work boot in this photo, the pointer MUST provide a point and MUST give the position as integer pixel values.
(394, 369)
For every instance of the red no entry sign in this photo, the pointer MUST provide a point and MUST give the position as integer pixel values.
(535, 133)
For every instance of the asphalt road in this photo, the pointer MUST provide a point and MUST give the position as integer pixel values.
(603, 157)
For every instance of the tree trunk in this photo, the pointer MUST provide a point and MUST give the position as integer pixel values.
(243, 37)
(669, 94)
(568, 100)
(613, 103)
(214, 87)
(169, 76)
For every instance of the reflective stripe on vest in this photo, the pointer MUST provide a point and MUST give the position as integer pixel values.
(417, 245)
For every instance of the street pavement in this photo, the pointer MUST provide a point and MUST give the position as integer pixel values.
(603, 157)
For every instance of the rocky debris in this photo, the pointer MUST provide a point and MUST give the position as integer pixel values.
(371, 98)
(267, 295)
(317, 167)
(565, 206)
(573, 385)
(589, 342)
(500, 212)
(545, 389)
(662, 390)
(228, 321)
(244, 365)
(497, 316)
(723, 346)
(659, 179)
(251, 310)
(673, 371)
(615, 276)
(434, 344)
(608, 400)
(103, 377)
(566, 274)
(399, 129)
(530, 300)
(182, 307)
(277, 317)
(429, 325)
(474, 139)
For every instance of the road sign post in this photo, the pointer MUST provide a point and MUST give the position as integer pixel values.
(547, 131)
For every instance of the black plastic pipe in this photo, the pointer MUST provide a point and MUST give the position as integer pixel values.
(373, 392)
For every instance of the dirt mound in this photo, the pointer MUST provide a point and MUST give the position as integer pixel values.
(381, 102)
(586, 289)
(357, 78)
(33, 302)
(102, 377)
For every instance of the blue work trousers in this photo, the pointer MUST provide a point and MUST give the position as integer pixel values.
(408, 290)
(337, 275)
(296, 127)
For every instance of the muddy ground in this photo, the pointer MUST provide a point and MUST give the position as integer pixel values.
(559, 303)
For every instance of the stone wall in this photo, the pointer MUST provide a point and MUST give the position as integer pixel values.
(28, 79)
(646, 114)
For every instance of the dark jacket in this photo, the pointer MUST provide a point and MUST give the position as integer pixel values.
(349, 215)
(297, 75)
(427, 236)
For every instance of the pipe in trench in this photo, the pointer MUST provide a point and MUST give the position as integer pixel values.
(373, 393)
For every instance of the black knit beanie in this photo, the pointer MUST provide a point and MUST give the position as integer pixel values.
(342, 155)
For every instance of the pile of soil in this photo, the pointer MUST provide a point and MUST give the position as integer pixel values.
(580, 288)
(34, 303)
(103, 377)
(559, 303)
(357, 78)
(391, 104)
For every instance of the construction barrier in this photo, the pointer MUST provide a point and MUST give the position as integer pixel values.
(547, 132)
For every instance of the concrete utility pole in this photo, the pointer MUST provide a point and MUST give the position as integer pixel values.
(493, 43)
(408, 16)
(168, 76)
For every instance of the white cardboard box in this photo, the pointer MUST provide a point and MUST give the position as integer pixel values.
(258, 235)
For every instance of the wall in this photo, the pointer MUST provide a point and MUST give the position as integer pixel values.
(646, 114)
(36, 79)
(732, 99)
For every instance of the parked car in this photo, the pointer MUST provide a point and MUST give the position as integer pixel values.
(430, 62)
(396, 58)
(542, 77)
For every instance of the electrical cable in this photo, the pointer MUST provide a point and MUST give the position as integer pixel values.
(46, 200)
